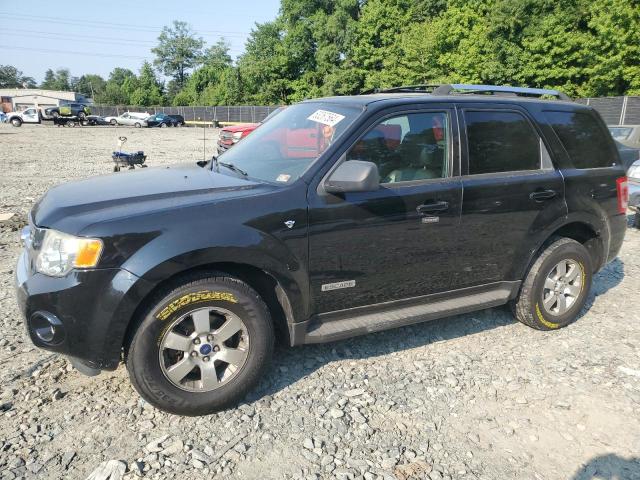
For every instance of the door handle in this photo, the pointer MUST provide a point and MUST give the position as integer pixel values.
(542, 195)
(435, 207)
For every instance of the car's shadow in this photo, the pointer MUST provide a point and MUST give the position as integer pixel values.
(292, 364)
(609, 467)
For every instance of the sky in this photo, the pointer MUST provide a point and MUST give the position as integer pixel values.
(97, 36)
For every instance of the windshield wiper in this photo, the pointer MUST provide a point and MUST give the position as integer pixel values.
(231, 166)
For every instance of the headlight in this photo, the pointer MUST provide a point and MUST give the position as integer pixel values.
(61, 252)
(237, 136)
(634, 172)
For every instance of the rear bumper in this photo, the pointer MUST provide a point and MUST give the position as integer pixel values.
(93, 309)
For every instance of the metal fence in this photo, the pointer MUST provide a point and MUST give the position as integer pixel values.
(614, 110)
(248, 114)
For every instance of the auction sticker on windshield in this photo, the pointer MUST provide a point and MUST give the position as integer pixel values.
(325, 117)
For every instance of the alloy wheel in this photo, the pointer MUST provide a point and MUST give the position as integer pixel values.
(562, 287)
(204, 349)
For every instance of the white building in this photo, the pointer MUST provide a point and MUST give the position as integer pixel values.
(16, 99)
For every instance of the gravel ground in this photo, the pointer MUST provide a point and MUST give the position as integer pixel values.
(476, 396)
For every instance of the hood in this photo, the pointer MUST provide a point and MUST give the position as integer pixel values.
(73, 206)
(241, 128)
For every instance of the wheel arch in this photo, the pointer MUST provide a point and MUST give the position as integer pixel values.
(264, 283)
(582, 232)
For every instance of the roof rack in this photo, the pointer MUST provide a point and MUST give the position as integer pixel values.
(453, 88)
(498, 90)
(403, 89)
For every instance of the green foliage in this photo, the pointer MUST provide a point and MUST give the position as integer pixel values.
(58, 80)
(178, 51)
(90, 85)
(11, 77)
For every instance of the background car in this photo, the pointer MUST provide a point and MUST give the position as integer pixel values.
(628, 135)
(96, 120)
(3, 117)
(162, 120)
(79, 110)
(179, 120)
(232, 134)
(628, 155)
(633, 175)
(132, 119)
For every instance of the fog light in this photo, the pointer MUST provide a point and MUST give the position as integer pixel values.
(47, 327)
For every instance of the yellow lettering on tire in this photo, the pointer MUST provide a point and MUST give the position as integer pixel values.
(195, 297)
(543, 320)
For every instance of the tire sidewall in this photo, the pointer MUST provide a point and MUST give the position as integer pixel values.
(143, 359)
(569, 251)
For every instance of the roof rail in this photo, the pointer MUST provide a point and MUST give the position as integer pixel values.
(449, 89)
(403, 89)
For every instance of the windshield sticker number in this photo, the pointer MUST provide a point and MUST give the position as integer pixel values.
(326, 118)
(283, 177)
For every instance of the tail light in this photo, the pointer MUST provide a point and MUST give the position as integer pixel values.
(622, 187)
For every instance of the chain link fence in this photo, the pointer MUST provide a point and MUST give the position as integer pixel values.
(614, 110)
(243, 114)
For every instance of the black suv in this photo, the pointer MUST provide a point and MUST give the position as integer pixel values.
(79, 110)
(340, 216)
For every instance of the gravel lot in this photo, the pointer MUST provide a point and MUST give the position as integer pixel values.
(476, 396)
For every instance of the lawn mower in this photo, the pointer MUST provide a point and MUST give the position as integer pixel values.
(124, 159)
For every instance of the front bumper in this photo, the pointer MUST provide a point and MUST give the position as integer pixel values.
(634, 194)
(94, 309)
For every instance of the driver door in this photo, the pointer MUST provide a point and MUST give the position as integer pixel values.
(30, 115)
(399, 241)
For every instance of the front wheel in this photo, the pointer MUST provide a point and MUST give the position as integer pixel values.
(16, 122)
(113, 122)
(163, 125)
(556, 287)
(137, 125)
(201, 346)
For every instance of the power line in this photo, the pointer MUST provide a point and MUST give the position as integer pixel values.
(89, 39)
(109, 25)
(69, 52)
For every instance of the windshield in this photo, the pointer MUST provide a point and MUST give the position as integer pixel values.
(620, 133)
(285, 146)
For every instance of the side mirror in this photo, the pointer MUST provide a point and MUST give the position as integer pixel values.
(353, 176)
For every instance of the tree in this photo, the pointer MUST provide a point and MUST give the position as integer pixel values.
(178, 51)
(90, 85)
(60, 80)
(11, 77)
(118, 89)
(148, 90)
(217, 55)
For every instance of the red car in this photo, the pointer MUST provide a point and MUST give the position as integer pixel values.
(232, 134)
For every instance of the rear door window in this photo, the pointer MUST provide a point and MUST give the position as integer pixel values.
(501, 141)
(584, 139)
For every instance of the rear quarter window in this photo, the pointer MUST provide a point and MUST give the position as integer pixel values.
(587, 143)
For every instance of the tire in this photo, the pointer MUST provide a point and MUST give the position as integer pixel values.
(113, 122)
(16, 122)
(137, 125)
(530, 307)
(81, 115)
(163, 125)
(230, 303)
(55, 114)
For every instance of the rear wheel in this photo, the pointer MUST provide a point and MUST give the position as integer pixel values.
(113, 122)
(137, 125)
(201, 346)
(556, 287)
(81, 115)
(163, 125)
(55, 114)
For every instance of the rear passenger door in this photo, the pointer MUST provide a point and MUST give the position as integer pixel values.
(511, 193)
